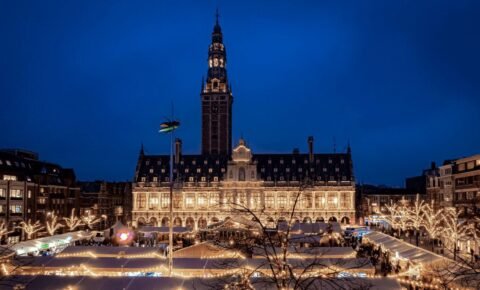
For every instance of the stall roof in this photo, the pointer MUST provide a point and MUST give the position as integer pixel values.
(153, 283)
(49, 242)
(405, 250)
(91, 251)
(164, 230)
(206, 250)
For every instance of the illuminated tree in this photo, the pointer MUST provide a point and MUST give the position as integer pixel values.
(455, 228)
(416, 216)
(53, 224)
(73, 221)
(89, 219)
(30, 228)
(398, 217)
(4, 229)
(432, 221)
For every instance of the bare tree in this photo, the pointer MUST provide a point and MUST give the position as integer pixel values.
(273, 249)
(30, 228)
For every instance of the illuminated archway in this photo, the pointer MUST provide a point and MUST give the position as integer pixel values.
(307, 219)
(165, 222)
(190, 223)
(202, 223)
(177, 222)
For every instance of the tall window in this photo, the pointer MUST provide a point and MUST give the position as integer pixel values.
(141, 200)
(154, 201)
(282, 200)
(307, 200)
(345, 200)
(189, 200)
(165, 200)
(332, 200)
(269, 200)
(2, 193)
(201, 200)
(241, 174)
(9, 177)
(320, 200)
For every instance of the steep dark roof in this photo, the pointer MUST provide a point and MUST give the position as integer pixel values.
(270, 167)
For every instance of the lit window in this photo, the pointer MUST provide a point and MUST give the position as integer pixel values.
(2, 193)
(10, 177)
(16, 208)
(151, 170)
(143, 179)
(199, 170)
(155, 179)
(189, 201)
(165, 200)
(203, 179)
(9, 163)
(215, 178)
(41, 200)
(29, 194)
(16, 193)
(153, 201)
(201, 201)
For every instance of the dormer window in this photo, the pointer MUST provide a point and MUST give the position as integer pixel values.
(215, 178)
(203, 179)
(262, 170)
(151, 170)
(205, 162)
(217, 162)
(300, 169)
(147, 162)
(342, 161)
(186, 170)
(294, 161)
(155, 179)
(194, 162)
(163, 170)
(287, 169)
(143, 179)
(281, 161)
(199, 170)
(210, 170)
(329, 161)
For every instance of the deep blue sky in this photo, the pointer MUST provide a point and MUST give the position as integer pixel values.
(84, 83)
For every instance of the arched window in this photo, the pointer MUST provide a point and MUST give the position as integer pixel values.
(241, 174)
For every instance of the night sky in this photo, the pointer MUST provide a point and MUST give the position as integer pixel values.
(85, 83)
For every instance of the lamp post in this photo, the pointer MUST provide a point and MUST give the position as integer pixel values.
(169, 127)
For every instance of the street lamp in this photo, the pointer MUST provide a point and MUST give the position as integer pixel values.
(170, 127)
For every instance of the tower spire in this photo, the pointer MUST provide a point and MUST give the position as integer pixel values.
(217, 15)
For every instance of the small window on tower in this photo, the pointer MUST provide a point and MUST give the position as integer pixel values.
(215, 85)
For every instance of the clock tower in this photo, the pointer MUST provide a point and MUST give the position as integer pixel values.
(217, 99)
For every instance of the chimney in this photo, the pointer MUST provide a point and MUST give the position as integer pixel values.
(310, 148)
(178, 150)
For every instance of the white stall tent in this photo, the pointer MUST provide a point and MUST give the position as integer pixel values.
(51, 242)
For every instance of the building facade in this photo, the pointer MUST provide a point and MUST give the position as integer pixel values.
(110, 200)
(223, 182)
(30, 189)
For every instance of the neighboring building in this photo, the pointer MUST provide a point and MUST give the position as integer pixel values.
(455, 183)
(30, 189)
(375, 199)
(110, 200)
(206, 185)
(466, 181)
